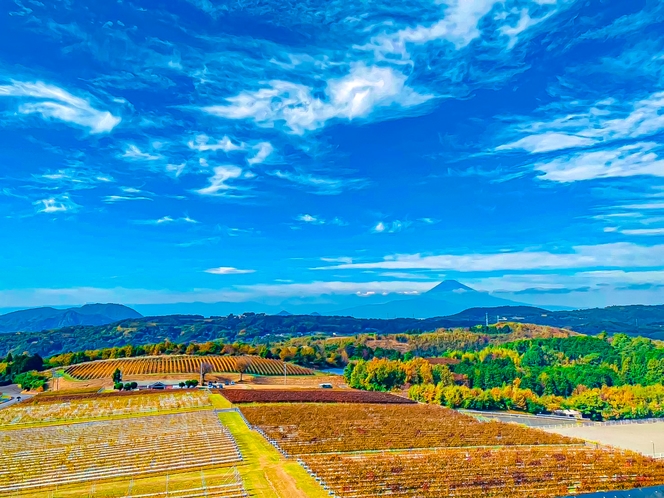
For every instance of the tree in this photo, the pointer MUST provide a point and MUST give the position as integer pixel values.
(242, 364)
(117, 376)
(134, 385)
(182, 384)
(127, 386)
(118, 386)
(31, 381)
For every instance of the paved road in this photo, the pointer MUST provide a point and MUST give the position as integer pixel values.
(15, 392)
(644, 438)
(526, 419)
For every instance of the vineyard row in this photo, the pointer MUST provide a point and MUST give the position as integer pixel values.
(183, 364)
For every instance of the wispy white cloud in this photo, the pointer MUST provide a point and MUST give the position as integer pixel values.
(390, 226)
(81, 295)
(317, 288)
(228, 270)
(459, 24)
(616, 255)
(132, 152)
(176, 169)
(74, 178)
(407, 275)
(341, 259)
(167, 220)
(307, 218)
(581, 124)
(628, 160)
(317, 220)
(218, 182)
(645, 205)
(321, 185)
(203, 143)
(52, 102)
(110, 199)
(547, 142)
(294, 106)
(59, 204)
(643, 231)
(263, 150)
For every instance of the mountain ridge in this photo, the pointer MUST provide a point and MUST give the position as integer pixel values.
(647, 321)
(48, 318)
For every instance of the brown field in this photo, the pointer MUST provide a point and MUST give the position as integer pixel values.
(83, 391)
(182, 364)
(310, 396)
(79, 394)
(530, 472)
(402, 347)
(299, 381)
(69, 408)
(317, 428)
(221, 482)
(64, 384)
(424, 451)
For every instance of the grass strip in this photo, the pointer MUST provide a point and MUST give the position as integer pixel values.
(265, 472)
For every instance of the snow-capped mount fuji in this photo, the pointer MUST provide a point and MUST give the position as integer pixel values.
(446, 298)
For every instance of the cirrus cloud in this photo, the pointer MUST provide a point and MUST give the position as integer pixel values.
(228, 270)
(52, 102)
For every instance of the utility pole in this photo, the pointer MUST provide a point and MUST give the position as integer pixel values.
(284, 373)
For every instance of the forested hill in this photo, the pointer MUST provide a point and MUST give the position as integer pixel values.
(249, 327)
(645, 321)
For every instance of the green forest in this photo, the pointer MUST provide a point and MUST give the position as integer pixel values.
(601, 377)
(22, 370)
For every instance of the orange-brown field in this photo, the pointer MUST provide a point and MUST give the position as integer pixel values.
(183, 364)
(428, 451)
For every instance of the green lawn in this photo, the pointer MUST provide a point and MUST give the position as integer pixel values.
(219, 402)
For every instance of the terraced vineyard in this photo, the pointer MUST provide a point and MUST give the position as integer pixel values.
(40, 459)
(319, 428)
(69, 408)
(474, 472)
(182, 364)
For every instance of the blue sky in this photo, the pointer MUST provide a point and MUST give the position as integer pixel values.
(264, 150)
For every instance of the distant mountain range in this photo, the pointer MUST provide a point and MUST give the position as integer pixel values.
(446, 298)
(646, 321)
(37, 319)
